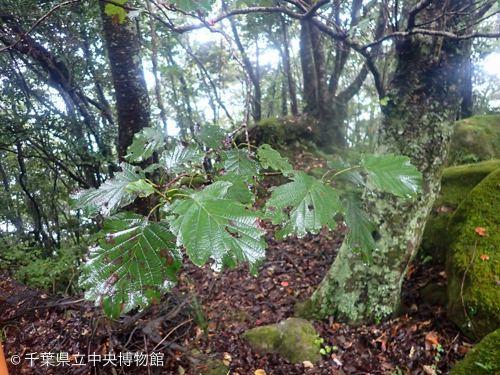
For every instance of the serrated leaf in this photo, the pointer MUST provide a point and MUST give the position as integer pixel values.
(239, 190)
(394, 174)
(352, 175)
(140, 188)
(110, 195)
(313, 202)
(360, 237)
(189, 5)
(147, 141)
(239, 162)
(134, 262)
(212, 136)
(209, 225)
(270, 158)
(177, 159)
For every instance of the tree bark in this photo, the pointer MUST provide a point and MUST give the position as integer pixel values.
(132, 100)
(425, 95)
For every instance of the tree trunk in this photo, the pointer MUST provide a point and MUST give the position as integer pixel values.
(467, 108)
(425, 95)
(132, 100)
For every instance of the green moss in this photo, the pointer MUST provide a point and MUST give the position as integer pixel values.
(483, 359)
(456, 184)
(293, 339)
(475, 139)
(215, 367)
(481, 293)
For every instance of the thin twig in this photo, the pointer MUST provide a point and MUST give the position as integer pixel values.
(171, 331)
(462, 288)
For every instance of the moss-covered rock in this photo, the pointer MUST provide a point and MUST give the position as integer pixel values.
(481, 289)
(475, 139)
(483, 359)
(293, 339)
(456, 184)
(285, 132)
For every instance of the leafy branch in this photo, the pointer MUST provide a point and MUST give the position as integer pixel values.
(136, 258)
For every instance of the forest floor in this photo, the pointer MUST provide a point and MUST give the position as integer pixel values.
(207, 313)
(210, 312)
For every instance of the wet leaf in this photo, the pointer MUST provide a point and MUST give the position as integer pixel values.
(127, 269)
(209, 225)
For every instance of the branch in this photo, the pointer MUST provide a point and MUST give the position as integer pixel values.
(38, 22)
(312, 11)
(437, 33)
(416, 10)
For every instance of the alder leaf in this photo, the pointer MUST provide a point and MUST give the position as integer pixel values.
(313, 204)
(181, 157)
(140, 188)
(212, 136)
(394, 174)
(209, 225)
(133, 263)
(270, 158)
(359, 238)
(239, 162)
(239, 190)
(147, 141)
(352, 175)
(110, 195)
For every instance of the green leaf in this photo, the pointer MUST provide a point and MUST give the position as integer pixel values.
(111, 194)
(239, 162)
(313, 202)
(189, 5)
(239, 190)
(177, 159)
(270, 158)
(384, 101)
(140, 188)
(147, 141)
(360, 237)
(351, 175)
(118, 13)
(135, 260)
(394, 174)
(212, 136)
(209, 225)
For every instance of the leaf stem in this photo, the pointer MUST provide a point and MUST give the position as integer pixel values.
(342, 171)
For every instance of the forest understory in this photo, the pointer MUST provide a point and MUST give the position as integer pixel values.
(209, 312)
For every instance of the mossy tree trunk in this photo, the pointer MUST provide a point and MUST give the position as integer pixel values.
(132, 99)
(425, 95)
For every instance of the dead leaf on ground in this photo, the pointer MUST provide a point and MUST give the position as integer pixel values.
(482, 231)
(431, 339)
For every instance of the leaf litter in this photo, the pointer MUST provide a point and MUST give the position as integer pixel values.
(229, 304)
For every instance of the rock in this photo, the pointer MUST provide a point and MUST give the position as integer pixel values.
(481, 289)
(475, 139)
(456, 184)
(293, 339)
(483, 359)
